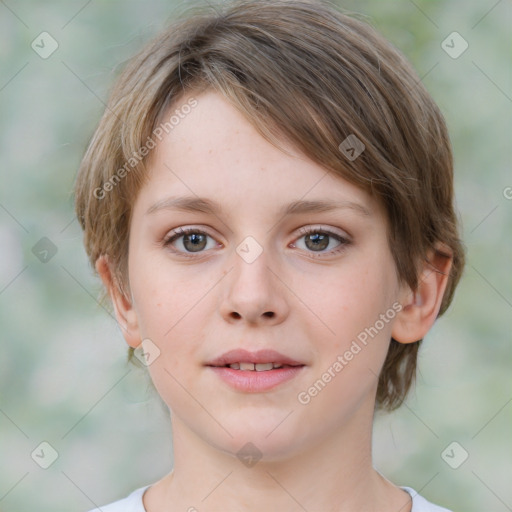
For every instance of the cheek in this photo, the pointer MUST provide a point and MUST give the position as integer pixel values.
(355, 299)
(168, 311)
(172, 308)
(163, 299)
(358, 311)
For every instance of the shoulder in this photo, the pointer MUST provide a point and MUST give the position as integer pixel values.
(420, 504)
(132, 503)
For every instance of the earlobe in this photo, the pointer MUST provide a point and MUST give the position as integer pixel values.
(421, 306)
(123, 307)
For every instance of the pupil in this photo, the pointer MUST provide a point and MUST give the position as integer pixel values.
(197, 243)
(319, 241)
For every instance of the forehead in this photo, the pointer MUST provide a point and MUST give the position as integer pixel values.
(215, 155)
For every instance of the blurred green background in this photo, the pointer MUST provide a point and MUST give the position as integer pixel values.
(64, 378)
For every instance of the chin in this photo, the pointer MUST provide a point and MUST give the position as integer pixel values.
(265, 439)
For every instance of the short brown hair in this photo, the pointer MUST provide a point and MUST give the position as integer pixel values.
(303, 72)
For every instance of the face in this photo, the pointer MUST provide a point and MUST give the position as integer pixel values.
(298, 300)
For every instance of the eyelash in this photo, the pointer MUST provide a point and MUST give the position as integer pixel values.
(344, 242)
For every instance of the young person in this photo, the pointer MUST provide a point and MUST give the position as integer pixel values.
(268, 200)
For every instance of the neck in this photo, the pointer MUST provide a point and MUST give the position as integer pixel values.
(333, 475)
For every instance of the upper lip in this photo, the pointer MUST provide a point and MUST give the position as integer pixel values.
(259, 356)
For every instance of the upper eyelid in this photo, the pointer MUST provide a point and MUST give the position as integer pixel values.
(319, 228)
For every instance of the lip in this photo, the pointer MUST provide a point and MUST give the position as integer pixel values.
(251, 381)
(260, 356)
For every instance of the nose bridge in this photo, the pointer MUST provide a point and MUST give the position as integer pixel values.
(253, 292)
(252, 263)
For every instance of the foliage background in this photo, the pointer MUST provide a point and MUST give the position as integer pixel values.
(63, 372)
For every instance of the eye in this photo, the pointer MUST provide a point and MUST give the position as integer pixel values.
(317, 240)
(192, 240)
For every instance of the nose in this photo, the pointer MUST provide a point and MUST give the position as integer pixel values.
(255, 292)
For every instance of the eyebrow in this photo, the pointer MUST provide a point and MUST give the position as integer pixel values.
(204, 205)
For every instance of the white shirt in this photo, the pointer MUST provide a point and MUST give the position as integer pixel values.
(133, 503)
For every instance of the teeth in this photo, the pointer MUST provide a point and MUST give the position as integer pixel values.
(259, 367)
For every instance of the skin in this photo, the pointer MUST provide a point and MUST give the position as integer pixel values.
(315, 456)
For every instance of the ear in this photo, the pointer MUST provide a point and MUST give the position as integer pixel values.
(123, 307)
(421, 306)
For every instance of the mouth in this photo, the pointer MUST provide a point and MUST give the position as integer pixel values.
(260, 360)
(254, 372)
(257, 367)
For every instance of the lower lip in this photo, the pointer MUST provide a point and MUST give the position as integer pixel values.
(251, 381)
